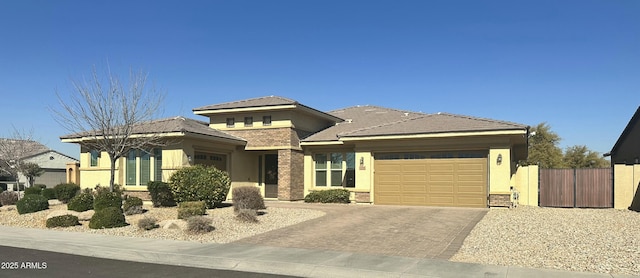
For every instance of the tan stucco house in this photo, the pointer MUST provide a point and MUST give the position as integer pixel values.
(287, 149)
(625, 160)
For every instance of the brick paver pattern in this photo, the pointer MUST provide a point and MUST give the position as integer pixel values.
(419, 232)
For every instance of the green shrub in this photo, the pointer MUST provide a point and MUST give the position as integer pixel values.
(108, 217)
(328, 196)
(161, 194)
(49, 193)
(247, 197)
(63, 221)
(188, 209)
(41, 186)
(132, 205)
(148, 223)
(247, 215)
(66, 191)
(81, 202)
(32, 203)
(33, 191)
(200, 183)
(8, 198)
(106, 199)
(199, 224)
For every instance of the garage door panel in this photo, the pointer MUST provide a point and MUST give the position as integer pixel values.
(432, 182)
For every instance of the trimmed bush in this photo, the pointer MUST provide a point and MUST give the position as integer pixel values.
(247, 197)
(108, 217)
(32, 203)
(200, 183)
(199, 224)
(132, 205)
(66, 191)
(148, 223)
(41, 186)
(49, 193)
(81, 202)
(328, 196)
(247, 215)
(161, 194)
(189, 209)
(105, 199)
(8, 198)
(63, 221)
(33, 191)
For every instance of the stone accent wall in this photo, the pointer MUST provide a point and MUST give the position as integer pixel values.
(144, 195)
(271, 137)
(500, 200)
(290, 175)
(363, 197)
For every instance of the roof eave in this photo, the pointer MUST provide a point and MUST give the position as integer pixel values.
(433, 135)
(625, 132)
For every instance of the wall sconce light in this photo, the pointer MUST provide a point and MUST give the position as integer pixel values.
(499, 160)
(361, 161)
(189, 158)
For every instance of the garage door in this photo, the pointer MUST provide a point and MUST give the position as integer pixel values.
(452, 182)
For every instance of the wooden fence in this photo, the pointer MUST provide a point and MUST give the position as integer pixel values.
(576, 188)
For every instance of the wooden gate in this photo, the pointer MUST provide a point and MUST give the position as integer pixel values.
(576, 188)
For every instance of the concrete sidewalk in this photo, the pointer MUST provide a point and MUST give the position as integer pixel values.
(262, 259)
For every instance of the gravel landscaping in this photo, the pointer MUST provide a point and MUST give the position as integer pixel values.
(227, 228)
(588, 240)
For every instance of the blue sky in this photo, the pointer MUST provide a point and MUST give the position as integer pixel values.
(572, 64)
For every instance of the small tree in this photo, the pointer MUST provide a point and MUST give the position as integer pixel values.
(31, 171)
(543, 147)
(580, 156)
(108, 116)
(15, 149)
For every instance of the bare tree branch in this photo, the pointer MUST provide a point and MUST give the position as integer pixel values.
(109, 116)
(15, 149)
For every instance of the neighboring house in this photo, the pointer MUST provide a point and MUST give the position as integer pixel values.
(625, 160)
(52, 162)
(381, 155)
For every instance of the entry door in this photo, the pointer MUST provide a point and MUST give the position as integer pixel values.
(271, 176)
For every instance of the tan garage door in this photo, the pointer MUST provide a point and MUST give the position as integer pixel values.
(452, 182)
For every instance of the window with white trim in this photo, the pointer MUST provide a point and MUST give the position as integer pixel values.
(335, 169)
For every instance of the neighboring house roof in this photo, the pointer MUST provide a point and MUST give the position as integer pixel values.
(626, 148)
(168, 125)
(364, 121)
(30, 147)
(262, 102)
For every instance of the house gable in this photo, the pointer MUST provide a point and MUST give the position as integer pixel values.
(627, 149)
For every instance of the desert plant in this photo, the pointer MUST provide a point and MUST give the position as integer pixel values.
(105, 199)
(33, 191)
(200, 183)
(161, 194)
(188, 209)
(66, 220)
(49, 193)
(66, 191)
(148, 223)
(32, 203)
(199, 224)
(8, 198)
(247, 197)
(247, 215)
(81, 202)
(132, 205)
(328, 196)
(108, 217)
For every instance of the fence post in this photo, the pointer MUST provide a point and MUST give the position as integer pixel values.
(575, 187)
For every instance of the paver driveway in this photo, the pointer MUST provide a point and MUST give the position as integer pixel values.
(421, 232)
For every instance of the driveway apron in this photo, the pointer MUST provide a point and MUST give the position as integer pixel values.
(419, 232)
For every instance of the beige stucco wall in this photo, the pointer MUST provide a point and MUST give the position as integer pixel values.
(626, 180)
(499, 174)
(525, 181)
(278, 119)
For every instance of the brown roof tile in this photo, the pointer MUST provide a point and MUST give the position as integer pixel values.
(253, 102)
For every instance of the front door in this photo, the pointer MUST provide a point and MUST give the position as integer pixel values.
(271, 176)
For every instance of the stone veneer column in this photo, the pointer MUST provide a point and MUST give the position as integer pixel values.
(290, 175)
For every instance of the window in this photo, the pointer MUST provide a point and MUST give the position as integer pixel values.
(248, 121)
(138, 167)
(231, 122)
(335, 169)
(94, 158)
(266, 120)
